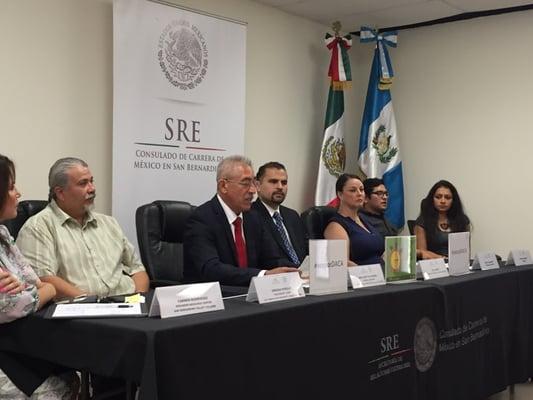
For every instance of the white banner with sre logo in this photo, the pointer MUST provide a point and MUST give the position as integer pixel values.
(178, 106)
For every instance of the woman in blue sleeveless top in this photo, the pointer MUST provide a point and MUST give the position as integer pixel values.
(366, 245)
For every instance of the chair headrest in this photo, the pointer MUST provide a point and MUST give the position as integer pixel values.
(316, 219)
(32, 207)
(174, 216)
(324, 213)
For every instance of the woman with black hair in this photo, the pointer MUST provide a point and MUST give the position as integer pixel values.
(441, 213)
(365, 243)
(22, 292)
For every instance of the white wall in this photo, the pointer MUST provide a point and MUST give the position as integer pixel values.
(56, 89)
(464, 102)
(463, 99)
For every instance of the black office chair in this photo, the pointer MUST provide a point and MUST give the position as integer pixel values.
(315, 220)
(25, 210)
(160, 227)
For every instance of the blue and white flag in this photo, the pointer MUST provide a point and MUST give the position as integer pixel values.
(379, 149)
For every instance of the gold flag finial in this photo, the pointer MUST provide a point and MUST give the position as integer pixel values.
(336, 26)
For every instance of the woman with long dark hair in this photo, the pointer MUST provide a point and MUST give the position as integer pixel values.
(441, 213)
(22, 292)
(365, 243)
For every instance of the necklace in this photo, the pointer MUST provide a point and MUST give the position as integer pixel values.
(444, 226)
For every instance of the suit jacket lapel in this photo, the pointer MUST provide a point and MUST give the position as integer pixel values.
(223, 222)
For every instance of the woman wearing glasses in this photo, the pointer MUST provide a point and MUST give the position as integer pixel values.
(365, 244)
(441, 213)
(22, 292)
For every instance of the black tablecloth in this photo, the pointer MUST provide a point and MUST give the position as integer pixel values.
(484, 342)
(317, 347)
(372, 343)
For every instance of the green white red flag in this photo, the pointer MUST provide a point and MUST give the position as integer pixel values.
(333, 153)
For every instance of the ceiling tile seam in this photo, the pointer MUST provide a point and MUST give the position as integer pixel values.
(373, 13)
(454, 6)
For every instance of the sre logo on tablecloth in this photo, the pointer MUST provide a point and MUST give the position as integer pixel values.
(425, 344)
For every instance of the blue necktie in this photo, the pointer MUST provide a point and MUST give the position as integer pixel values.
(278, 221)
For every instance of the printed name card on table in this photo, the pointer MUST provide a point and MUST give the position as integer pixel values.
(485, 261)
(98, 310)
(400, 258)
(277, 287)
(327, 267)
(459, 253)
(366, 276)
(175, 301)
(431, 269)
(519, 257)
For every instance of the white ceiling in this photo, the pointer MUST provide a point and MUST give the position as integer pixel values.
(384, 13)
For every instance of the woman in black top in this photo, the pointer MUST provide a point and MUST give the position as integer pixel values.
(441, 213)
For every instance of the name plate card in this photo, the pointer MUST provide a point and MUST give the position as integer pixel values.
(485, 261)
(277, 287)
(519, 257)
(459, 253)
(435, 268)
(366, 276)
(97, 310)
(175, 301)
(327, 267)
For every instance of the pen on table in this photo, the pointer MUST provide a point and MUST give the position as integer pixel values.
(125, 306)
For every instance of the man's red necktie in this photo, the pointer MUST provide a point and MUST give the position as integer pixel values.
(242, 258)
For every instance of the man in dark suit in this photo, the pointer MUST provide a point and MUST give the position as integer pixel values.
(225, 242)
(283, 223)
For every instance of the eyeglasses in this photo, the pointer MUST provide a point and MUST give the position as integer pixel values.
(245, 184)
(381, 193)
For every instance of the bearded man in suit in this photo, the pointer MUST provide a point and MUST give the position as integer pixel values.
(283, 223)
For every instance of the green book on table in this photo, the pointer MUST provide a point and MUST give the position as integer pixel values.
(400, 258)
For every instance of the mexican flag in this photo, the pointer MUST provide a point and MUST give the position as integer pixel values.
(333, 153)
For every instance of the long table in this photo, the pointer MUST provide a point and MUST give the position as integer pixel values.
(452, 338)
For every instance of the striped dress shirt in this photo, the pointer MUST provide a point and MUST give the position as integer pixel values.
(95, 257)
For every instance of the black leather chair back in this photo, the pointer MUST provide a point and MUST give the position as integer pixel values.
(25, 210)
(411, 226)
(160, 226)
(315, 220)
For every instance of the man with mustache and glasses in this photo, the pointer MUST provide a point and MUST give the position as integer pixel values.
(283, 223)
(376, 200)
(75, 249)
(223, 240)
